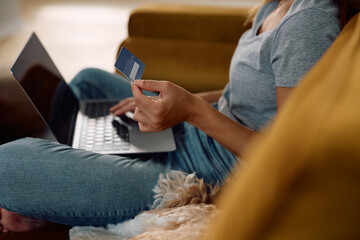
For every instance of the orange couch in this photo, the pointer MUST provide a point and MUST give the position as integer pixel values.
(189, 45)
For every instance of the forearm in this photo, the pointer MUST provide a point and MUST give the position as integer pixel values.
(174, 104)
(211, 96)
(226, 131)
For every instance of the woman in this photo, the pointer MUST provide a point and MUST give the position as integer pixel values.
(55, 183)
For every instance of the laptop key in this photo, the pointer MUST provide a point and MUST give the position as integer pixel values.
(108, 147)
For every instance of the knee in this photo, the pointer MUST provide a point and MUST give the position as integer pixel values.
(91, 83)
(11, 151)
(85, 75)
(19, 153)
(8, 150)
(15, 160)
(15, 166)
(21, 156)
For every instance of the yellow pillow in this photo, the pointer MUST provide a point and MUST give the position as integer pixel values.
(303, 178)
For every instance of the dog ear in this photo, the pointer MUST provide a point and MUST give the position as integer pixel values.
(175, 189)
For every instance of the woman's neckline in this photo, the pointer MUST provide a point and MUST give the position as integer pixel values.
(275, 17)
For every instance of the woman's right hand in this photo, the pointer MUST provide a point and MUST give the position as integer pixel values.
(126, 105)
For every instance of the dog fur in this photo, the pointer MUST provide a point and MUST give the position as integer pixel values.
(183, 209)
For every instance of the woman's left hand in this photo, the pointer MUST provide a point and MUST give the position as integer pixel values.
(154, 114)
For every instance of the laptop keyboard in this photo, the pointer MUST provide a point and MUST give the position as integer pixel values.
(102, 131)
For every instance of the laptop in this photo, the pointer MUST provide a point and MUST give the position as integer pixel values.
(81, 124)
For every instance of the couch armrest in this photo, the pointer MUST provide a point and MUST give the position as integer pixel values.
(186, 22)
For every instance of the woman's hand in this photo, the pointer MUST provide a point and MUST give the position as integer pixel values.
(126, 105)
(172, 106)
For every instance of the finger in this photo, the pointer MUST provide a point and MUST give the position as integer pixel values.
(146, 103)
(142, 120)
(145, 123)
(136, 90)
(130, 107)
(152, 85)
(144, 128)
(141, 117)
(142, 100)
(121, 104)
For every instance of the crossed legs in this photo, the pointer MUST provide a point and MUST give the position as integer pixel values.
(56, 183)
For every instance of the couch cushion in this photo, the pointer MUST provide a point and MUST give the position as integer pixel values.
(189, 45)
(196, 66)
(188, 22)
(303, 176)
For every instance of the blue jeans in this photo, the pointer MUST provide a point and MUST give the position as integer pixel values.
(55, 182)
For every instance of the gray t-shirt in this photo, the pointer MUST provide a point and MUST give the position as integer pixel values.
(278, 57)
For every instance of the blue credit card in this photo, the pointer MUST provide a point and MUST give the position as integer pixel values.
(129, 65)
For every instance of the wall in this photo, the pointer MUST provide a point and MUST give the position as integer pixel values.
(10, 20)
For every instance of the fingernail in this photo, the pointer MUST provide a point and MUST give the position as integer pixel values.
(138, 81)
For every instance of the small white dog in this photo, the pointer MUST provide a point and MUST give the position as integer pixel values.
(183, 209)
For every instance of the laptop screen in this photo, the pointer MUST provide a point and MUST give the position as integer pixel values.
(47, 90)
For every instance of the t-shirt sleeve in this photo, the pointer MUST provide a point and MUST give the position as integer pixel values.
(300, 42)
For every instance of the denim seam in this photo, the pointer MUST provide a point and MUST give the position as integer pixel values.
(124, 212)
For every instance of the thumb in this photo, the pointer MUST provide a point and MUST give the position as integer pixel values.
(136, 90)
(150, 85)
(139, 97)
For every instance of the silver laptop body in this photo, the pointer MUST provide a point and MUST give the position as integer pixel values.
(80, 124)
